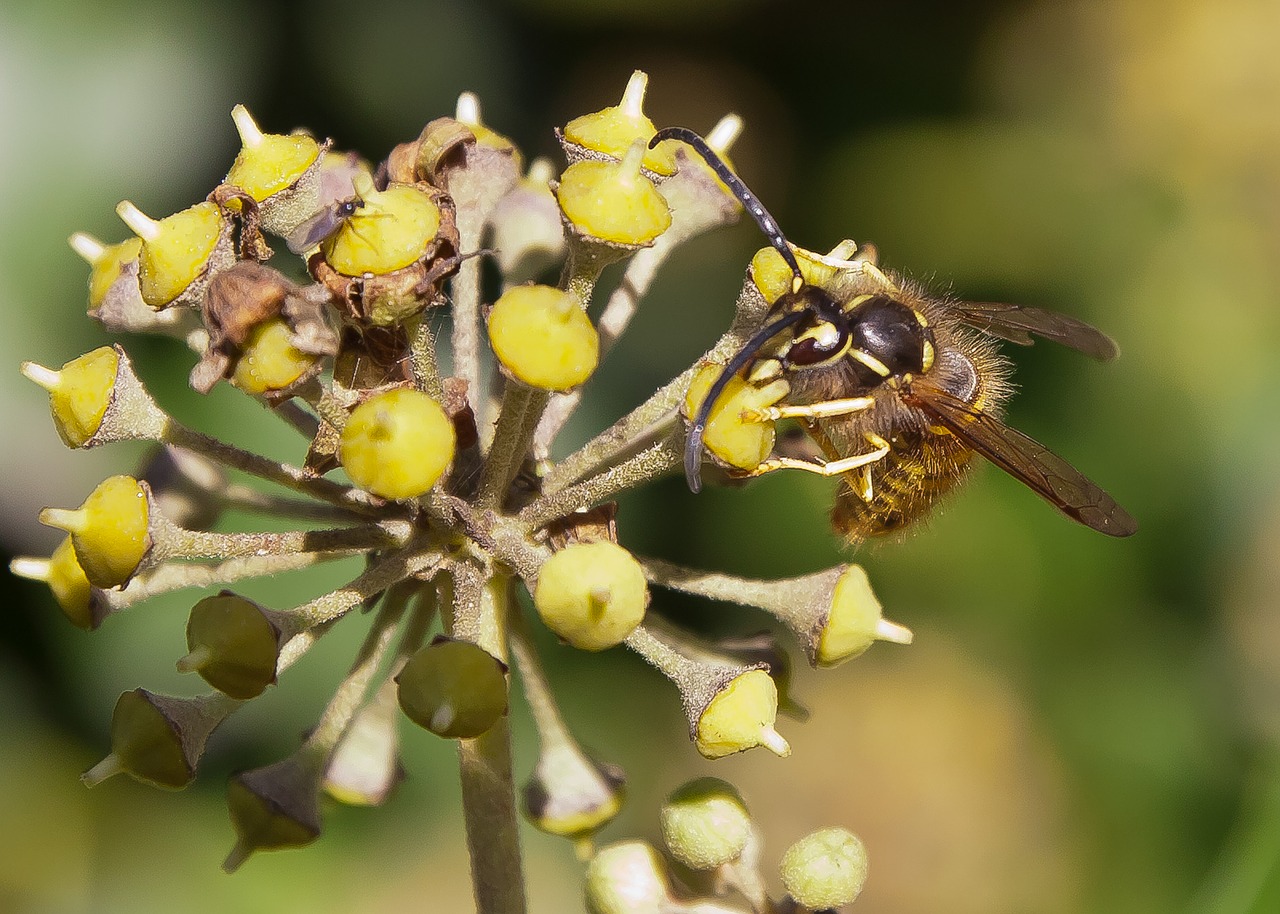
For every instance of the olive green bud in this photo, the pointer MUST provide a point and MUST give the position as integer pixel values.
(158, 739)
(234, 644)
(453, 688)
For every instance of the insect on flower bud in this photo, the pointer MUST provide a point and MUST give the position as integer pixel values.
(628, 877)
(543, 337)
(179, 252)
(397, 444)
(731, 435)
(592, 595)
(453, 688)
(612, 202)
(705, 824)
(109, 531)
(158, 739)
(826, 869)
(391, 230)
(62, 572)
(281, 172)
(234, 644)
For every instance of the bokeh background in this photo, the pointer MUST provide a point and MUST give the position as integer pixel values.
(1083, 725)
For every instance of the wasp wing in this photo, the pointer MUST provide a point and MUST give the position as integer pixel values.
(314, 229)
(1026, 460)
(1018, 324)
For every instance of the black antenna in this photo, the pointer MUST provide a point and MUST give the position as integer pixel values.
(750, 202)
(693, 443)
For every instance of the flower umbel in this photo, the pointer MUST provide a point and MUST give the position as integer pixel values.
(451, 496)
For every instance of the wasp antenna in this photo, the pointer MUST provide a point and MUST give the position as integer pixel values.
(693, 443)
(750, 202)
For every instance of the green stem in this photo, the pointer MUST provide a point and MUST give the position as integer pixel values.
(521, 407)
(488, 784)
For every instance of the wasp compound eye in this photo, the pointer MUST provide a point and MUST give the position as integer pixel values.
(822, 342)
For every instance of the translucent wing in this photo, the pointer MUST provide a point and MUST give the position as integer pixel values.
(1026, 460)
(315, 229)
(1018, 324)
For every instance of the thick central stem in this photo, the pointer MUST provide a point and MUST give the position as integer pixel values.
(488, 785)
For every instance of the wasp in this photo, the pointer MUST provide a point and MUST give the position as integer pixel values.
(898, 389)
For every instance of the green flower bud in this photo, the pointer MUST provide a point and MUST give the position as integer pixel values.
(705, 824)
(453, 688)
(234, 644)
(109, 531)
(854, 621)
(365, 768)
(825, 869)
(592, 595)
(397, 444)
(107, 262)
(158, 739)
(543, 337)
(627, 878)
(97, 398)
(572, 794)
(281, 172)
(79, 393)
(274, 807)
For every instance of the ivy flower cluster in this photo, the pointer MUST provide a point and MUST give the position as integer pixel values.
(445, 486)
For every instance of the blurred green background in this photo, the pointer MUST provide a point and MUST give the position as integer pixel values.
(1083, 725)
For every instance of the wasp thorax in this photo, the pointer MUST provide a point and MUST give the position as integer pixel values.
(888, 339)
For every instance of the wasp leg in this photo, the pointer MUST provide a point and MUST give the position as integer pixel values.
(864, 490)
(821, 410)
(834, 468)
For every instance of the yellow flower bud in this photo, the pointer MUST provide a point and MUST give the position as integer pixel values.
(79, 393)
(741, 717)
(105, 260)
(397, 444)
(268, 162)
(269, 361)
(62, 572)
(854, 621)
(628, 877)
(543, 338)
(613, 202)
(613, 130)
(592, 595)
(109, 531)
(392, 230)
(826, 869)
(176, 251)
